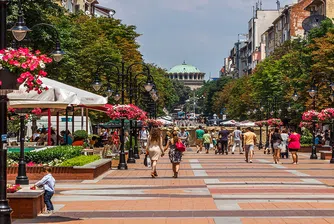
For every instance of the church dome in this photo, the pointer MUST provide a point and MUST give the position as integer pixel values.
(184, 68)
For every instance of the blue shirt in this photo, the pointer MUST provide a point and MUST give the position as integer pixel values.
(48, 183)
(69, 139)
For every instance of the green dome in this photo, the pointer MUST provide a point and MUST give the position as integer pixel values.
(184, 68)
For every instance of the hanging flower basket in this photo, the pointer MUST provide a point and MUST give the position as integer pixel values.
(130, 112)
(275, 122)
(326, 115)
(28, 65)
(261, 123)
(310, 115)
(152, 123)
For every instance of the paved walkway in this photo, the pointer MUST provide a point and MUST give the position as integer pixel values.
(215, 189)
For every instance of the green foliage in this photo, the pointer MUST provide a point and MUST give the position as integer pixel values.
(80, 160)
(48, 155)
(80, 135)
(127, 144)
(306, 138)
(209, 91)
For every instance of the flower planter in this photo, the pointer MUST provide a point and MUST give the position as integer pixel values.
(87, 172)
(33, 202)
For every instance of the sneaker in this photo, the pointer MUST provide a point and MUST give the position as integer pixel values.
(250, 161)
(47, 212)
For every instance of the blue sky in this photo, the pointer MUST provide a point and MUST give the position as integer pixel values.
(201, 32)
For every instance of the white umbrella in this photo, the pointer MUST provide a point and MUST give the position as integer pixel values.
(59, 95)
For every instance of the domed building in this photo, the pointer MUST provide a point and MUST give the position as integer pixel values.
(187, 74)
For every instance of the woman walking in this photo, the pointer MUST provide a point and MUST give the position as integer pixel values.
(154, 149)
(294, 145)
(175, 155)
(277, 140)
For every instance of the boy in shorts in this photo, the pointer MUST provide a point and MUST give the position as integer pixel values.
(250, 141)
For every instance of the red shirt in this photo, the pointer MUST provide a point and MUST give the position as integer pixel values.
(294, 141)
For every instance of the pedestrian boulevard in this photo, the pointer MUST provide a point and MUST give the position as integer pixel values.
(211, 189)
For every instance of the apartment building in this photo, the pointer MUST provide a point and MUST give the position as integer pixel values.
(287, 26)
(90, 7)
(321, 7)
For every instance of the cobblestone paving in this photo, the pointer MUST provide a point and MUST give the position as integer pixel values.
(215, 189)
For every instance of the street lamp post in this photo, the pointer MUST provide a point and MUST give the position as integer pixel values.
(22, 178)
(313, 93)
(123, 75)
(19, 32)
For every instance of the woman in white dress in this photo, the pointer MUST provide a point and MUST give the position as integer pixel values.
(154, 149)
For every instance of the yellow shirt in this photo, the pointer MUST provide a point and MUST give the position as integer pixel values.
(250, 138)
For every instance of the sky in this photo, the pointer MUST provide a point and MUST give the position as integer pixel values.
(199, 32)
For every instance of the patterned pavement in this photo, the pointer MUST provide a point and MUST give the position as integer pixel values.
(215, 189)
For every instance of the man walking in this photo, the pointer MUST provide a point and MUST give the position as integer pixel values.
(223, 135)
(143, 136)
(199, 139)
(237, 136)
(250, 141)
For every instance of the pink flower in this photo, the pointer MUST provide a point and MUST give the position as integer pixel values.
(20, 80)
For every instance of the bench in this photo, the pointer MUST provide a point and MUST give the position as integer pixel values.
(326, 155)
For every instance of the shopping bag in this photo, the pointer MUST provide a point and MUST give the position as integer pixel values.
(147, 161)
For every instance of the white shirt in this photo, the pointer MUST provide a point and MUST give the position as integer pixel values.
(144, 134)
(48, 183)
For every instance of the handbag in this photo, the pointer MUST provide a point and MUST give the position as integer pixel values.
(147, 161)
(180, 146)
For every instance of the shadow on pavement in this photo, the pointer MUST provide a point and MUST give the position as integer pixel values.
(46, 219)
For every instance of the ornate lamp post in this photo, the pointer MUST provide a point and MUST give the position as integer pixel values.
(313, 91)
(123, 75)
(9, 82)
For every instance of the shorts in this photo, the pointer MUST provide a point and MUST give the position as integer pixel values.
(199, 141)
(293, 150)
(207, 146)
(275, 145)
(249, 148)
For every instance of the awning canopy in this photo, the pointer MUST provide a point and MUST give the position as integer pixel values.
(59, 95)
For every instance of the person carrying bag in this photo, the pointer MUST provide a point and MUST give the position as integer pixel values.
(154, 150)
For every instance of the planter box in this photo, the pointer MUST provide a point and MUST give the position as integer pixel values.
(87, 172)
(326, 155)
(26, 204)
(309, 148)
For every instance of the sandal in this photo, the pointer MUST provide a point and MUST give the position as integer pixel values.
(155, 173)
(152, 175)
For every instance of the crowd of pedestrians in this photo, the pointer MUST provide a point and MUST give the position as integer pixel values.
(280, 142)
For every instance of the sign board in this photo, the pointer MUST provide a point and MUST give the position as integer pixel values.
(63, 119)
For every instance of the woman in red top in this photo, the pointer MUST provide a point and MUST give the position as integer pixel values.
(294, 145)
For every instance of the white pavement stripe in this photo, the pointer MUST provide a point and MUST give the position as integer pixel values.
(311, 181)
(297, 173)
(212, 181)
(197, 165)
(227, 220)
(227, 205)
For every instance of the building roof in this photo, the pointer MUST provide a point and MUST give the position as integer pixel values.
(184, 68)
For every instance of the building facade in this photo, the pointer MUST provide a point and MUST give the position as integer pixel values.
(287, 26)
(187, 74)
(90, 7)
(321, 7)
